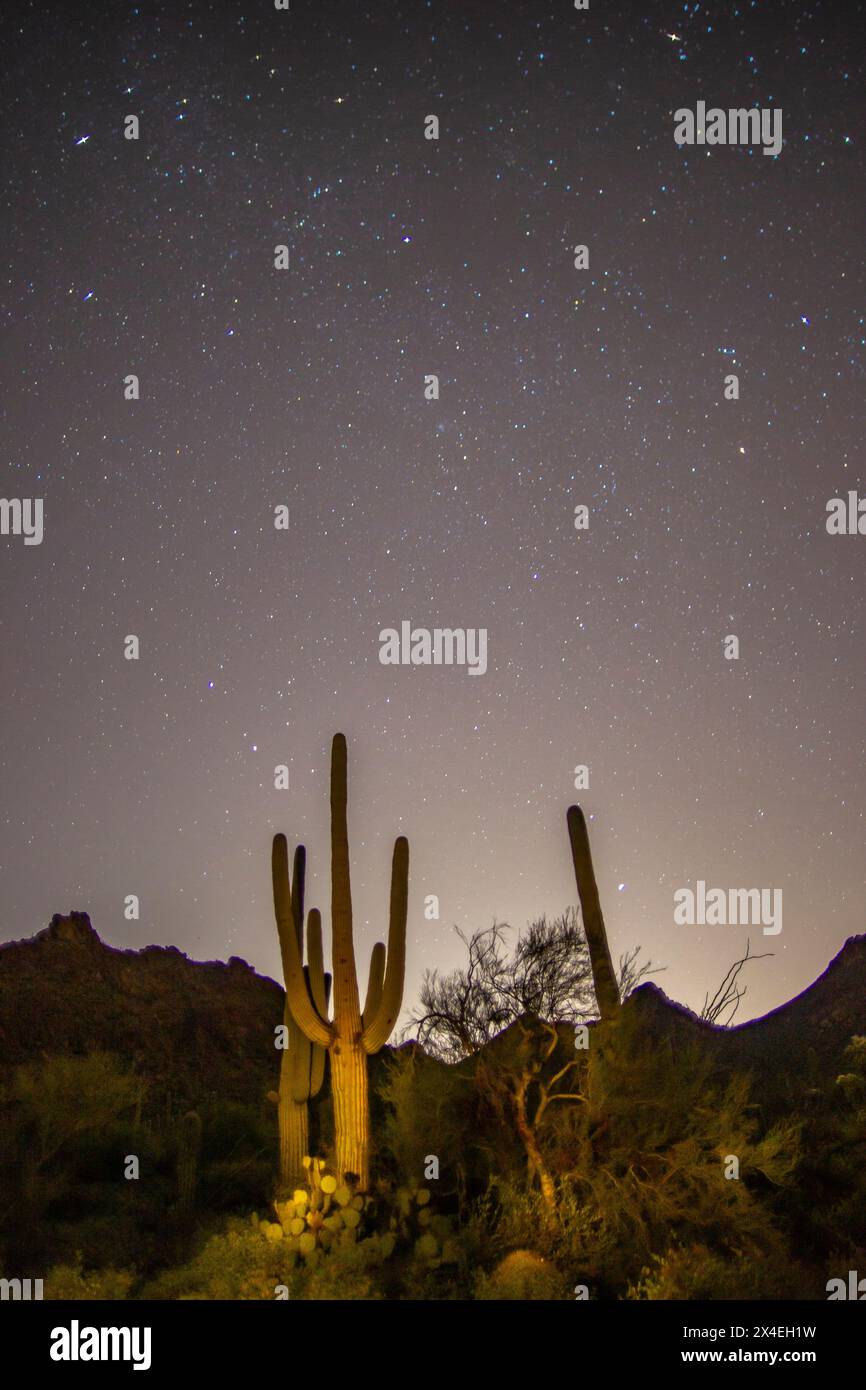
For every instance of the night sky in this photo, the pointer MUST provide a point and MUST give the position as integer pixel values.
(559, 387)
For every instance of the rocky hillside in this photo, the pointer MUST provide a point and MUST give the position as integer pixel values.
(202, 1030)
(195, 1029)
(787, 1050)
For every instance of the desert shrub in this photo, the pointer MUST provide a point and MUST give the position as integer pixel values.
(429, 1108)
(327, 1242)
(640, 1167)
(71, 1282)
(346, 1272)
(235, 1184)
(230, 1130)
(827, 1212)
(696, 1272)
(63, 1098)
(127, 1216)
(512, 1217)
(55, 1116)
(522, 1275)
(246, 1262)
(650, 1166)
(237, 1263)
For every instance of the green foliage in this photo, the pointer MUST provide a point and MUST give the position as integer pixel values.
(521, 1276)
(640, 1166)
(657, 1135)
(71, 1283)
(63, 1098)
(238, 1263)
(350, 1272)
(230, 1129)
(51, 1112)
(696, 1272)
(642, 1207)
(828, 1214)
(510, 1217)
(249, 1261)
(427, 1105)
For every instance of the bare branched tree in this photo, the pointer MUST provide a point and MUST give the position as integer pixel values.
(632, 971)
(547, 975)
(728, 995)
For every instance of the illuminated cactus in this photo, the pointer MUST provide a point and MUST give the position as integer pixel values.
(604, 980)
(351, 1034)
(302, 1063)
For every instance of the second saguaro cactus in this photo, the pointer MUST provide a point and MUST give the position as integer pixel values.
(603, 977)
(351, 1034)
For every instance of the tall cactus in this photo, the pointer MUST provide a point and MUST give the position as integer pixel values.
(351, 1034)
(604, 979)
(302, 1064)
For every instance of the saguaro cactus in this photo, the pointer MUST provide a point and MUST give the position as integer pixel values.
(604, 980)
(351, 1034)
(188, 1147)
(302, 1064)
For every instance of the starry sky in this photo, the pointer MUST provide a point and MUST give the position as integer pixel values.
(558, 387)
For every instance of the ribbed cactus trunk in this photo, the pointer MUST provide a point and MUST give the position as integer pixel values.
(348, 1058)
(351, 1112)
(294, 1129)
(603, 977)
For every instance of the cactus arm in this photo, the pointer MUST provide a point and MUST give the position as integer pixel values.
(317, 1061)
(303, 1009)
(299, 873)
(375, 983)
(347, 1008)
(606, 988)
(297, 1060)
(284, 896)
(316, 962)
(381, 1025)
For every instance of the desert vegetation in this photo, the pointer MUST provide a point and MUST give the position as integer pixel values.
(547, 1127)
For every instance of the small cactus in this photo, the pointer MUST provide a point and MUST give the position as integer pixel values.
(320, 1215)
(188, 1147)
